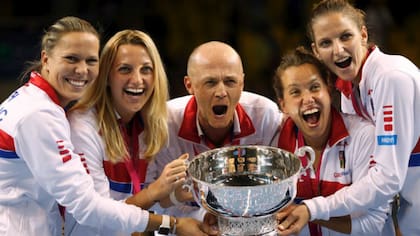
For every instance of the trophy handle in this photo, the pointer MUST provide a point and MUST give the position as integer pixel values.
(203, 203)
(301, 152)
(189, 186)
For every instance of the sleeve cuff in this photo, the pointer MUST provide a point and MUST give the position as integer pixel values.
(318, 209)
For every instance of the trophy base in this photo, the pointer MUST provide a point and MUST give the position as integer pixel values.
(250, 226)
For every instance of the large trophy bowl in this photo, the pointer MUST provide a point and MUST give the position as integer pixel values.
(244, 186)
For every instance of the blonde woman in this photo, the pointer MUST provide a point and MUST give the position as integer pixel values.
(38, 164)
(121, 123)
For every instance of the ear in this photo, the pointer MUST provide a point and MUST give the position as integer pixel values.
(282, 105)
(315, 51)
(364, 34)
(188, 85)
(44, 59)
(243, 79)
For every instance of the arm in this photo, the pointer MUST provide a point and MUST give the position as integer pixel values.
(186, 226)
(360, 222)
(86, 139)
(391, 154)
(172, 177)
(369, 220)
(60, 172)
(340, 224)
(153, 172)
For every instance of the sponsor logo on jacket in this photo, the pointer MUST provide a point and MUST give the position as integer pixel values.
(388, 138)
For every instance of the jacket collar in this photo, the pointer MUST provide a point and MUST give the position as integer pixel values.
(288, 134)
(37, 80)
(191, 130)
(346, 87)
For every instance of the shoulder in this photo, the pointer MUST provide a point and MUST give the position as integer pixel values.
(178, 103)
(255, 101)
(393, 67)
(176, 109)
(356, 125)
(82, 118)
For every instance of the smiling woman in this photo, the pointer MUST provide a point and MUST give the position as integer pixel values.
(39, 172)
(119, 126)
(342, 143)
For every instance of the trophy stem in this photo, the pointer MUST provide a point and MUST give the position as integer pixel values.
(248, 226)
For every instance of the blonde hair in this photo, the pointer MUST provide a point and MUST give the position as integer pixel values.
(154, 111)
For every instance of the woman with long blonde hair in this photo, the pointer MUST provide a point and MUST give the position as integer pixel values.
(121, 123)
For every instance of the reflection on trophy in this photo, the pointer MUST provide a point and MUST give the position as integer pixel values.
(244, 186)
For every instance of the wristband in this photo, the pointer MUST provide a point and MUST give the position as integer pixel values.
(165, 226)
(173, 199)
(174, 228)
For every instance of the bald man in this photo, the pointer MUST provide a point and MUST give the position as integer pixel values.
(217, 113)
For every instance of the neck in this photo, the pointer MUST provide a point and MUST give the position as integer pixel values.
(217, 135)
(319, 142)
(126, 117)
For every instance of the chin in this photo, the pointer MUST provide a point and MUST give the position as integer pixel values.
(74, 96)
(219, 125)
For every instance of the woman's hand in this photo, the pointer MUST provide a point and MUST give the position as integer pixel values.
(190, 226)
(172, 177)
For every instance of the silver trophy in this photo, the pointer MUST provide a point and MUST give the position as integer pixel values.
(244, 186)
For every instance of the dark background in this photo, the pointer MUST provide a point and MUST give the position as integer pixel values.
(260, 30)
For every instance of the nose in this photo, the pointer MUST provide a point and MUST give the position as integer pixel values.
(82, 68)
(137, 77)
(221, 90)
(308, 98)
(337, 46)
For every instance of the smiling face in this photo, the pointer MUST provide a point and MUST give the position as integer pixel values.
(131, 80)
(307, 101)
(215, 78)
(340, 44)
(72, 65)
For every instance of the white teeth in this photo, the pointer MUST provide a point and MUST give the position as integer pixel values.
(311, 111)
(132, 90)
(78, 83)
(342, 59)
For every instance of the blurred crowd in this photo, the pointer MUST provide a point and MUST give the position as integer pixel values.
(260, 30)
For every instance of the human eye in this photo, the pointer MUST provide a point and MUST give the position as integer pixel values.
(124, 69)
(346, 36)
(146, 70)
(230, 82)
(324, 43)
(92, 61)
(71, 59)
(294, 92)
(210, 82)
(315, 87)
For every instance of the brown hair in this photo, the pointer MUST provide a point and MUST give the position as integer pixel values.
(298, 57)
(53, 34)
(329, 6)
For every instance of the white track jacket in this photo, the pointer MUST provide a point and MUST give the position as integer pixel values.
(345, 159)
(38, 168)
(390, 97)
(256, 121)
